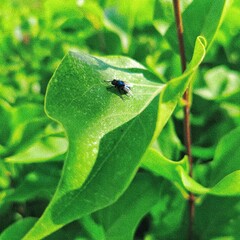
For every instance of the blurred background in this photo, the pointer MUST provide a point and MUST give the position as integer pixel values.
(34, 37)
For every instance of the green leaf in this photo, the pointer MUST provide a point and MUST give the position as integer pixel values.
(121, 219)
(17, 230)
(200, 18)
(7, 93)
(177, 172)
(168, 97)
(169, 214)
(163, 14)
(6, 116)
(94, 230)
(168, 142)
(218, 218)
(24, 127)
(5, 179)
(74, 25)
(61, 10)
(109, 177)
(47, 148)
(190, 184)
(174, 171)
(160, 165)
(226, 158)
(203, 152)
(227, 87)
(108, 134)
(228, 186)
(81, 100)
(34, 185)
(123, 18)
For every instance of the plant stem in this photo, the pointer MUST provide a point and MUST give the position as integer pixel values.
(187, 127)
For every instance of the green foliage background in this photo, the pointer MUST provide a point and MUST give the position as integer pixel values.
(141, 190)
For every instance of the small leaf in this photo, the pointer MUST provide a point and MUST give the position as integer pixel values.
(177, 172)
(94, 230)
(168, 97)
(123, 18)
(73, 25)
(174, 171)
(226, 88)
(34, 185)
(228, 186)
(6, 116)
(163, 14)
(17, 230)
(26, 124)
(169, 213)
(168, 141)
(226, 158)
(47, 148)
(200, 18)
(190, 184)
(160, 165)
(223, 214)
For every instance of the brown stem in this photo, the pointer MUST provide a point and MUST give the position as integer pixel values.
(187, 128)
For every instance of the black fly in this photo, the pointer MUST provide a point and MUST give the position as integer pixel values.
(122, 87)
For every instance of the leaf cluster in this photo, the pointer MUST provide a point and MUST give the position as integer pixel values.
(79, 160)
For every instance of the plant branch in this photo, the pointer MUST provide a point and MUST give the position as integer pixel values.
(187, 127)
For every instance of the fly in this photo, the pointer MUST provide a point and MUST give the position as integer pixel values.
(121, 86)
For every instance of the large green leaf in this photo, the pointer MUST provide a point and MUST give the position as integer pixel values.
(108, 133)
(200, 18)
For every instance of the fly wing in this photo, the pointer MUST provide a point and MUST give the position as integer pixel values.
(129, 85)
(127, 89)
